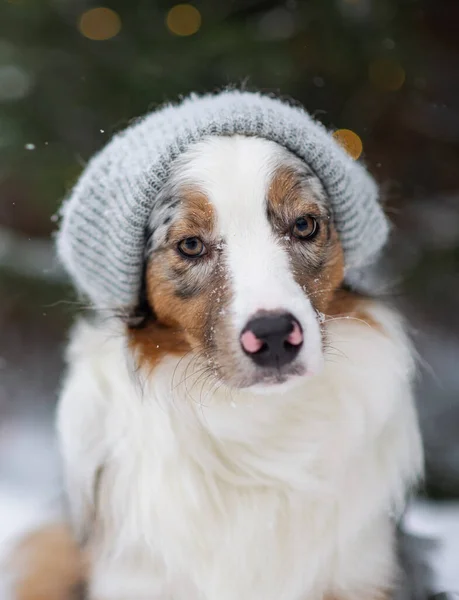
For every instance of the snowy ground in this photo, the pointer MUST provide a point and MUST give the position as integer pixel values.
(29, 494)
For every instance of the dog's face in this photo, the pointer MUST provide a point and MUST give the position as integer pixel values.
(243, 259)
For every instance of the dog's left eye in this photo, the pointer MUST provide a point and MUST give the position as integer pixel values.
(305, 228)
(192, 247)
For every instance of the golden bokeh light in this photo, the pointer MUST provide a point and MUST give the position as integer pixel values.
(183, 19)
(99, 24)
(387, 74)
(350, 141)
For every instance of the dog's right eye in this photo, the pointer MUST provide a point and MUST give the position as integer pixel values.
(192, 247)
(305, 228)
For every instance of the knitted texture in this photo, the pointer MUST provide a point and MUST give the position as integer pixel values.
(103, 229)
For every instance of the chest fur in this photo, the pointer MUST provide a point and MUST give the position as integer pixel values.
(247, 497)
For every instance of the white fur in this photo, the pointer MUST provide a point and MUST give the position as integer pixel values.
(188, 490)
(224, 495)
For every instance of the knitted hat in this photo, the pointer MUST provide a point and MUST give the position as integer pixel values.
(102, 236)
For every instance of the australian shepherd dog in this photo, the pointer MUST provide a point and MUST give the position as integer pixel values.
(251, 433)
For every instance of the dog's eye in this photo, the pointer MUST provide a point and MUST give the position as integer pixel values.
(305, 228)
(192, 247)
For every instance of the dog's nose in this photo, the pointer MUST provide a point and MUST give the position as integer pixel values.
(272, 340)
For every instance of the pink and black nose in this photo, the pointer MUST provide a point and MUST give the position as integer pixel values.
(272, 340)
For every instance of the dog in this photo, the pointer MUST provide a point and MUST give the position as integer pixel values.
(250, 432)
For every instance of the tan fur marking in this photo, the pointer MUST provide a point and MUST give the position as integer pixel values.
(287, 196)
(288, 200)
(154, 341)
(350, 304)
(182, 321)
(318, 265)
(198, 218)
(48, 564)
(322, 289)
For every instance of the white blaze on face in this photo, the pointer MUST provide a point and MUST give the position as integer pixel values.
(235, 174)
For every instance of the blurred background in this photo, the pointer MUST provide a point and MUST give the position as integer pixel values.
(384, 74)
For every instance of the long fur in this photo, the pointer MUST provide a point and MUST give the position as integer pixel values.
(278, 497)
(191, 473)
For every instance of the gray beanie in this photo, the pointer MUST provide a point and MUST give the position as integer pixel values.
(103, 230)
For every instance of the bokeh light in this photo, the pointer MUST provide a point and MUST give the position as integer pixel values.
(183, 19)
(277, 24)
(15, 83)
(386, 74)
(350, 141)
(99, 24)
